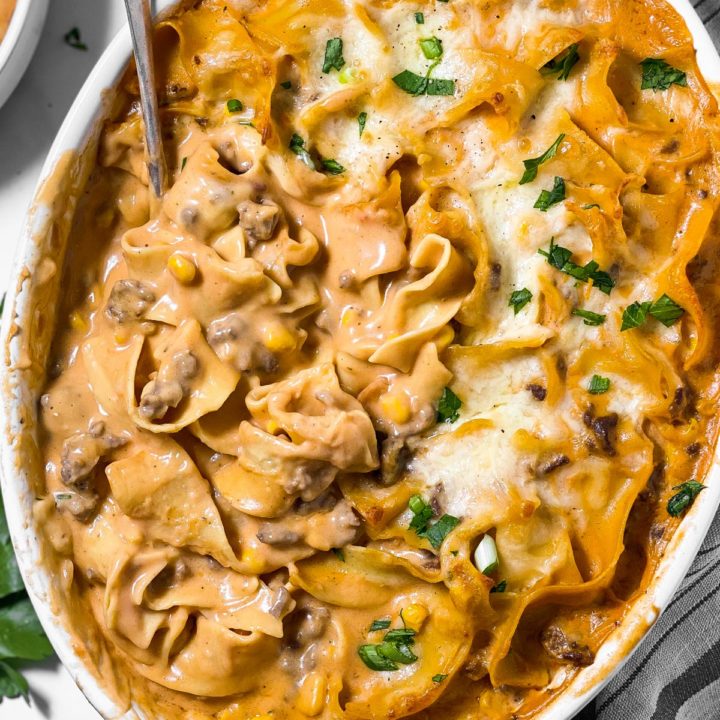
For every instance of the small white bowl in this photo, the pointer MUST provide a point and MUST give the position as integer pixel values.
(27, 328)
(18, 45)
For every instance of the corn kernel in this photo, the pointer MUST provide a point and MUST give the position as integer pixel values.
(278, 338)
(121, 336)
(311, 697)
(272, 426)
(415, 615)
(78, 322)
(396, 407)
(349, 316)
(182, 268)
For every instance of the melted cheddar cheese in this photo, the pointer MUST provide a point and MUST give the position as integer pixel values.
(380, 410)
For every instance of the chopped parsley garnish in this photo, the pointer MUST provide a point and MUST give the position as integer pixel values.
(72, 38)
(297, 145)
(438, 678)
(395, 648)
(431, 47)
(437, 533)
(563, 63)
(419, 18)
(333, 55)
(414, 84)
(590, 206)
(339, 554)
(659, 75)
(379, 625)
(598, 385)
(560, 258)
(685, 498)
(532, 165)
(499, 587)
(362, 119)
(234, 105)
(183, 164)
(286, 84)
(422, 514)
(589, 318)
(519, 299)
(548, 198)
(664, 309)
(333, 167)
(448, 406)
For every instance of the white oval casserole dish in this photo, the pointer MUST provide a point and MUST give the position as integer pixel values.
(27, 329)
(19, 43)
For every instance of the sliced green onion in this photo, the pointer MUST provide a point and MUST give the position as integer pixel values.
(486, 557)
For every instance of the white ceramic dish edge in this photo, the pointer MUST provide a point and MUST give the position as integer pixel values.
(17, 402)
(19, 43)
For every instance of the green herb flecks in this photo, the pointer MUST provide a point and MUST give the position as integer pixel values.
(659, 75)
(562, 64)
(561, 259)
(519, 299)
(533, 164)
(548, 198)
(499, 587)
(415, 84)
(234, 105)
(394, 650)
(333, 55)
(436, 533)
(297, 145)
(362, 119)
(431, 47)
(438, 678)
(683, 499)
(589, 318)
(419, 18)
(286, 85)
(339, 554)
(332, 167)
(664, 310)
(448, 406)
(598, 385)
(73, 39)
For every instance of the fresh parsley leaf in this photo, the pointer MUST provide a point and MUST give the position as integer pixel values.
(333, 167)
(598, 385)
(532, 165)
(406, 636)
(362, 119)
(560, 258)
(297, 145)
(589, 318)
(590, 206)
(499, 587)
(666, 310)
(72, 38)
(183, 164)
(685, 498)
(414, 84)
(448, 406)
(431, 47)
(438, 678)
(519, 299)
(563, 63)
(12, 683)
(659, 75)
(2, 304)
(333, 55)
(437, 532)
(548, 198)
(397, 652)
(286, 85)
(422, 512)
(634, 315)
(339, 554)
(21, 635)
(371, 656)
(379, 625)
(419, 18)
(234, 105)
(10, 579)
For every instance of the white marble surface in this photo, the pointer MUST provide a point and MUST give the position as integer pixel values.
(28, 123)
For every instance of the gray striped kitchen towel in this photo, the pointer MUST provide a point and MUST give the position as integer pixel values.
(675, 674)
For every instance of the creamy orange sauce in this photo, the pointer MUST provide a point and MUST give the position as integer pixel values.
(6, 11)
(245, 387)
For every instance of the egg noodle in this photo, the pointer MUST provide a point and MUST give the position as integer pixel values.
(391, 405)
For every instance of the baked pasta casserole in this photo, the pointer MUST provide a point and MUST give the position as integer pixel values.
(391, 404)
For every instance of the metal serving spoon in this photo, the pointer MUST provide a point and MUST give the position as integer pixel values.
(138, 12)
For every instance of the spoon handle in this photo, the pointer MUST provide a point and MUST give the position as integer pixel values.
(138, 12)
